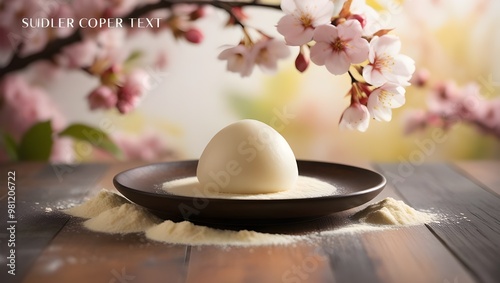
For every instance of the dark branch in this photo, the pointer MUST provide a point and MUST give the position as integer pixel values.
(55, 46)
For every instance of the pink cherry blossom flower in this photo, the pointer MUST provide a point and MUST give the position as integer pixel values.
(372, 21)
(102, 97)
(80, 54)
(339, 47)
(386, 64)
(24, 105)
(6, 48)
(149, 145)
(88, 8)
(135, 86)
(62, 11)
(490, 118)
(35, 41)
(302, 17)
(383, 99)
(414, 120)
(117, 8)
(355, 117)
(62, 151)
(238, 59)
(267, 51)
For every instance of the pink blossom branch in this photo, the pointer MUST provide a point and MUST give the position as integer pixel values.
(55, 46)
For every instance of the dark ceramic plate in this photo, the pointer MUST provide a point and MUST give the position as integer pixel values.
(143, 186)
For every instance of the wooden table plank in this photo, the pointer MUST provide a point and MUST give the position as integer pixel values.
(38, 193)
(486, 172)
(359, 257)
(471, 228)
(301, 263)
(80, 255)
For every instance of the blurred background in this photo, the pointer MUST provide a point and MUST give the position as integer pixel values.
(192, 96)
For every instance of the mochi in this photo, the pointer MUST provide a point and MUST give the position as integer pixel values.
(247, 157)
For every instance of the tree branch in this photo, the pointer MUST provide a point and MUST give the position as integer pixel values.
(55, 46)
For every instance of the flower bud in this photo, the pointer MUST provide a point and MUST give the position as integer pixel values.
(193, 35)
(420, 78)
(361, 19)
(200, 12)
(302, 61)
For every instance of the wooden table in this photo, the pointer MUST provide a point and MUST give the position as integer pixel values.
(464, 247)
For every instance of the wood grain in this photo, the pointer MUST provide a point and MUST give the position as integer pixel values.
(38, 195)
(396, 255)
(486, 172)
(80, 255)
(411, 254)
(470, 227)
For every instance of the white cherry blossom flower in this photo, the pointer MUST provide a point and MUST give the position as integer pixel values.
(302, 16)
(238, 59)
(264, 53)
(355, 117)
(383, 99)
(386, 64)
(337, 47)
(267, 52)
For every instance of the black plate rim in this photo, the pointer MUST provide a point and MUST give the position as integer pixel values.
(372, 189)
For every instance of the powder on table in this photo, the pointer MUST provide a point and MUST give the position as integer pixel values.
(306, 187)
(117, 215)
(190, 234)
(127, 218)
(103, 201)
(393, 212)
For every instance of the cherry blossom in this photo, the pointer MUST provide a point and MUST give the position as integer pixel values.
(103, 97)
(369, 18)
(80, 54)
(302, 17)
(134, 87)
(6, 48)
(23, 105)
(267, 51)
(339, 47)
(149, 145)
(355, 117)
(386, 64)
(383, 99)
(238, 59)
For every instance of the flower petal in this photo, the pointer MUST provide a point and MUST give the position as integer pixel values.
(337, 63)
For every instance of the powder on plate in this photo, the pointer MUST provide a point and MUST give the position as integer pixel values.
(127, 218)
(393, 212)
(188, 233)
(306, 187)
(103, 201)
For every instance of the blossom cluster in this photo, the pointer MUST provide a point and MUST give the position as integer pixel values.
(98, 52)
(345, 37)
(449, 104)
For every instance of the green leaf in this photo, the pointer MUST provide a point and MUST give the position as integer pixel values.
(10, 146)
(36, 144)
(93, 136)
(136, 54)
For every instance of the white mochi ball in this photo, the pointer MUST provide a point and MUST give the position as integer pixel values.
(247, 157)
